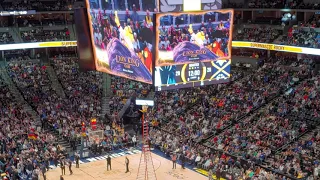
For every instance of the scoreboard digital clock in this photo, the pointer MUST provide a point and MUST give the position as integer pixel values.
(192, 75)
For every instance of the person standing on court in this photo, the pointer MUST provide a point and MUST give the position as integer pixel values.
(62, 166)
(70, 165)
(127, 164)
(55, 160)
(174, 161)
(210, 174)
(108, 163)
(43, 171)
(77, 157)
(183, 159)
(134, 140)
(218, 173)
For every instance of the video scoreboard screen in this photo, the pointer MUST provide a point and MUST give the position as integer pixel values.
(192, 53)
(121, 46)
(192, 41)
(192, 75)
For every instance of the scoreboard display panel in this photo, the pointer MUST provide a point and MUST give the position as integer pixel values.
(192, 75)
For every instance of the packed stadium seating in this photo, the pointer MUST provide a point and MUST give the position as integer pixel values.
(81, 88)
(16, 126)
(17, 55)
(123, 89)
(36, 5)
(304, 39)
(40, 35)
(267, 29)
(302, 114)
(5, 38)
(261, 34)
(230, 103)
(266, 4)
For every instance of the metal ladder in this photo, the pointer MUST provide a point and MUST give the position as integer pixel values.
(146, 168)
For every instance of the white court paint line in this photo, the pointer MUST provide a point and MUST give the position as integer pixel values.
(91, 159)
(100, 158)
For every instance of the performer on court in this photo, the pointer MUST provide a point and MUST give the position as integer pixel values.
(63, 167)
(77, 157)
(70, 165)
(43, 171)
(183, 159)
(218, 173)
(174, 161)
(210, 174)
(108, 163)
(127, 164)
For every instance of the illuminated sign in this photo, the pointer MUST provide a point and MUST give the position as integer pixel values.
(273, 47)
(243, 44)
(276, 47)
(37, 45)
(58, 44)
(16, 13)
(144, 102)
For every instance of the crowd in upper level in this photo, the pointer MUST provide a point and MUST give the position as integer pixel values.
(278, 4)
(150, 4)
(37, 5)
(298, 36)
(6, 38)
(261, 34)
(40, 35)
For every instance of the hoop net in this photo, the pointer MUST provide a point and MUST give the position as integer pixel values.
(96, 136)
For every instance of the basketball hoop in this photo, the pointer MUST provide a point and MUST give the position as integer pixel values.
(96, 136)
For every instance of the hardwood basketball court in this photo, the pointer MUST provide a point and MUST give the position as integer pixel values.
(97, 170)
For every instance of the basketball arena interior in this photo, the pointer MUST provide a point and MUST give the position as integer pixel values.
(159, 89)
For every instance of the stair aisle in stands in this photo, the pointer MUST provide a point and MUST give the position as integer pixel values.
(17, 94)
(105, 105)
(106, 94)
(56, 85)
(55, 82)
(16, 35)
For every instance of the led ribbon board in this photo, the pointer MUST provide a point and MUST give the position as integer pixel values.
(276, 47)
(243, 44)
(37, 45)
